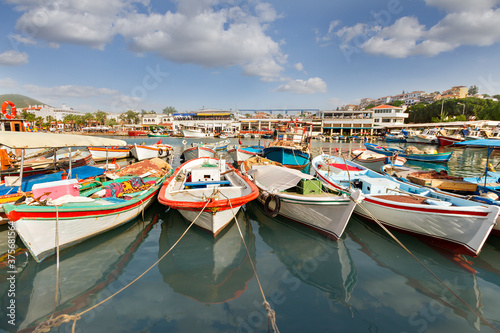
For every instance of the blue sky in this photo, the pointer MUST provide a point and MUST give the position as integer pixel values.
(116, 55)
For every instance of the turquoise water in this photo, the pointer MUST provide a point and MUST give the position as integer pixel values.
(365, 282)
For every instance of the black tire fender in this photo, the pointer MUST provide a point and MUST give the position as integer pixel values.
(277, 205)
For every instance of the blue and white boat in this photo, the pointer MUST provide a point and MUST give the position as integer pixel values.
(240, 154)
(434, 157)
(291, 147)
(455, 223)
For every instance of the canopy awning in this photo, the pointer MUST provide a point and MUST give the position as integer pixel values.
(276, 178)
(492, 143)
(22, 140)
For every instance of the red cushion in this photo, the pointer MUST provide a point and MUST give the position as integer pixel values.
(342, 166)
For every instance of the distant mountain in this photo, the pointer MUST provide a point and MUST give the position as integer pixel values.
(20, 101)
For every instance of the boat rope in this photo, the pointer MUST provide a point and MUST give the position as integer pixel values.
(45, 326)
(271, 315)
(425, 267)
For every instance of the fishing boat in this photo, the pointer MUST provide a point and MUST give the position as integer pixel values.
(449, 136)
(193, 132)
(217, 146)
(144, 152)
(412, 153)
(395, 136)
(70, 219)
(291, 146)
(454, 223)
(109, 153)
(210, 188)
(197, 151)
(427, 136)
(302, 198)
(375, 161)
(158, 135)
(240, 154)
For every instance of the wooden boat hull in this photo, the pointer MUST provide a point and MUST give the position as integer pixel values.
(191, 202)
(462, 227)
(328, 215)
(240, 155)
(290, 158)
(197, 152)
(36, 225)
(143, 152)
(434, 158)
(100, 153)
(188, 133)
(449, 140)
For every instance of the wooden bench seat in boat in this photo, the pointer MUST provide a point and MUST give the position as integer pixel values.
(202, 184)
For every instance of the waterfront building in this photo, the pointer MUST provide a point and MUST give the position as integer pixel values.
(347, 123)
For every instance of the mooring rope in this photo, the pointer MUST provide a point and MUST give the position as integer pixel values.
(45, 326)
(271, 315)
(420, 262)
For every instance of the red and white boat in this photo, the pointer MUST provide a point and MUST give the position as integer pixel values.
(108, 153)
(210, 186)
(446, 140)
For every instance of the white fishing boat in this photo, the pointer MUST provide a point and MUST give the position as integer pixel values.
(197, 152)
(109, 153)
(144, 152)
(427, 136)
(240, 154)
(210, 188)
(455, 223)
(375, 161)
(302, 198)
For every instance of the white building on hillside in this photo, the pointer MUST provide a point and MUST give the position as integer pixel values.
(388, 114)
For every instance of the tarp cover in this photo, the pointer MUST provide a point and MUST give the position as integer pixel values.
(275, 178)
(22, 140)
(480, 142)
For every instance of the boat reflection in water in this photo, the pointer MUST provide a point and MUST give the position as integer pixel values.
(203, 267)
(85, 272)
(312, 258)
(428, 295)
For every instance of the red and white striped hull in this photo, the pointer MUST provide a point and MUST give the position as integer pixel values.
(190, 202)
(37, 225)
(460, 228)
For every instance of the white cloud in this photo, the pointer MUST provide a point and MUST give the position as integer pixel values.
(209, 33)
(298, 66)
(8, 83)
(13, 58)
(462, 5)
(311, 86)
(69, 91)
(408, 37)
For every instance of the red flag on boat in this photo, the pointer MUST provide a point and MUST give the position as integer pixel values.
(239, 140)
(159, 142)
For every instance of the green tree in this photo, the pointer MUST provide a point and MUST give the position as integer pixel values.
(169, 110)
(130, 117)
(473, 90)
(398, 103)
(100, 116)
(369, 106)
(28, 116)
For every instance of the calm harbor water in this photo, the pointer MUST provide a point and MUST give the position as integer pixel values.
(365, 282)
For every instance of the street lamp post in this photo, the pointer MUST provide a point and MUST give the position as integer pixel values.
(463, 110)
